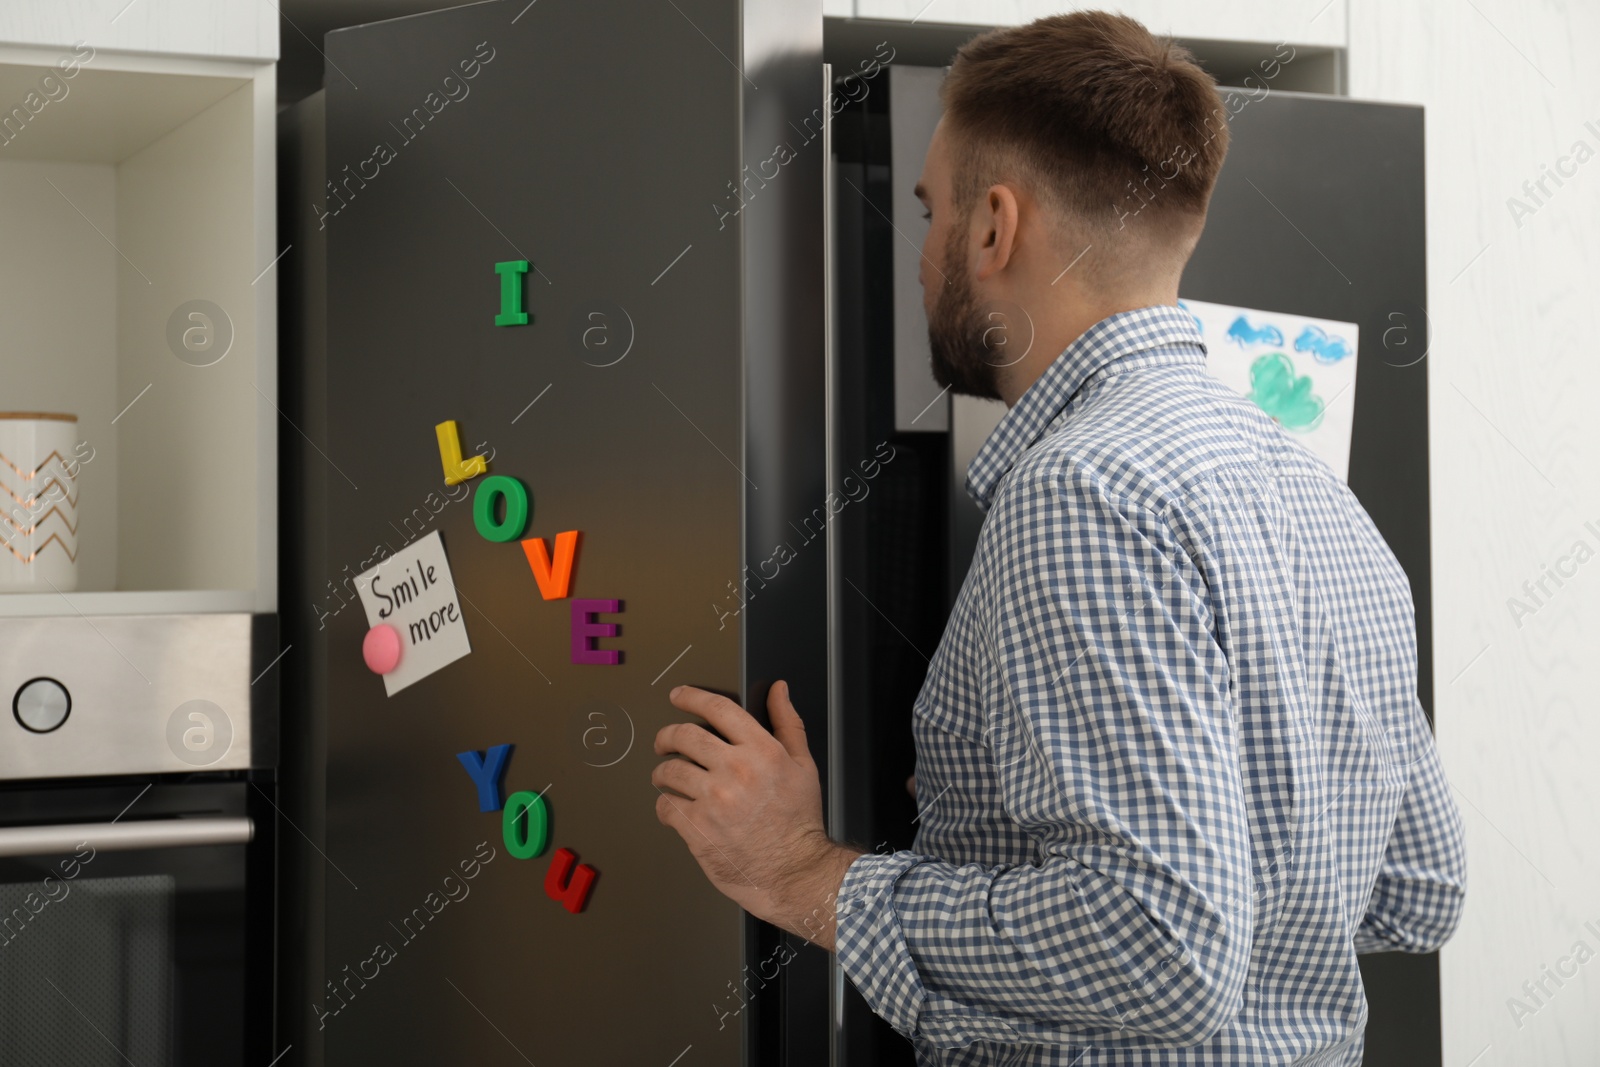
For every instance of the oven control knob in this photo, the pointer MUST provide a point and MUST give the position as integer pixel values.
(42, 705)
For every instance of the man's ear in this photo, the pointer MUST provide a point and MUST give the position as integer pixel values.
(995, 223)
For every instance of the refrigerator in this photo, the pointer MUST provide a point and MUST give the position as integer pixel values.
(642, 262)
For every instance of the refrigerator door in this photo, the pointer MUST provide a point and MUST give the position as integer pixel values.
(1319, 211)
(663, 399)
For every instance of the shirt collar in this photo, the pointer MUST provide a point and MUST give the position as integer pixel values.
(1110, 339)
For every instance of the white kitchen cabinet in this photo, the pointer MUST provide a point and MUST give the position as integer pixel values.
(233, 29)
(132, 187)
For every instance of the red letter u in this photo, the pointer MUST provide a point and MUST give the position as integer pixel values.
(569, 886)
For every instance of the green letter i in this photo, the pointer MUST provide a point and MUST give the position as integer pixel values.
(511, 313)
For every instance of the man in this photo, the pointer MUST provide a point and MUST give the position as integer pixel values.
(1172, 771)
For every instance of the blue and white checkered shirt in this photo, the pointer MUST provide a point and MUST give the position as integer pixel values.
(1172, 770)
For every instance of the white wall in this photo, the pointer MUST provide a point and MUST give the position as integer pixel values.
(59, 341)
(1514, 373)
(184, 210)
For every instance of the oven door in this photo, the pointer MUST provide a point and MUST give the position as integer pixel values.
(135, 922)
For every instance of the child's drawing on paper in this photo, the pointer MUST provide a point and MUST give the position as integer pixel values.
(1299, 370)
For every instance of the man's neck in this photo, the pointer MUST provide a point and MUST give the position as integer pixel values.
(1056, 329)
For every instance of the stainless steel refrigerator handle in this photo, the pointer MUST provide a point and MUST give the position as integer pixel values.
(125, 836)
(835, 739)
(830, 373)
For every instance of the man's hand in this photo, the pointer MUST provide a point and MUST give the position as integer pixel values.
(750, 810)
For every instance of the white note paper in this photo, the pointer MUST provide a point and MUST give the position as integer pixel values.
(413, 591)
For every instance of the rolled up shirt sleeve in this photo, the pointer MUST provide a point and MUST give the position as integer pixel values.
(1421, 887)
(1112, 740)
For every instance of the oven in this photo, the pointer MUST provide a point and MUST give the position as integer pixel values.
(136, 845)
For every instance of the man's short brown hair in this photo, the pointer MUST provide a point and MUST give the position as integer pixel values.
(1103, 118)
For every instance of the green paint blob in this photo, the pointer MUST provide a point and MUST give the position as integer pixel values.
(1279, 392)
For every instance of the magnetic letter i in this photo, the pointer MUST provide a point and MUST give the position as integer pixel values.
(511, 313)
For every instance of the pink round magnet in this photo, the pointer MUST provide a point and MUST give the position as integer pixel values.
(381, 648)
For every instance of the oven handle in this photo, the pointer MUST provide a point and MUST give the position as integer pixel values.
(125, 836)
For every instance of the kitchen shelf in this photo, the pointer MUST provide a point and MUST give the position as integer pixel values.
(132, 190)
(129, 602)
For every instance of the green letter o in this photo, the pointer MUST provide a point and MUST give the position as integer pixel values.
(525, 839)
(516, 508)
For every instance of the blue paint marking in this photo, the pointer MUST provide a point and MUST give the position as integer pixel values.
(1197, 323)
(1243, 333)
(1326, 349)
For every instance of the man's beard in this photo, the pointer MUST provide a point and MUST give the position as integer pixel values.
(961, 337)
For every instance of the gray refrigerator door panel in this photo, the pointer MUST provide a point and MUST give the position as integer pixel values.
(1319, 210)
(590, 141)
